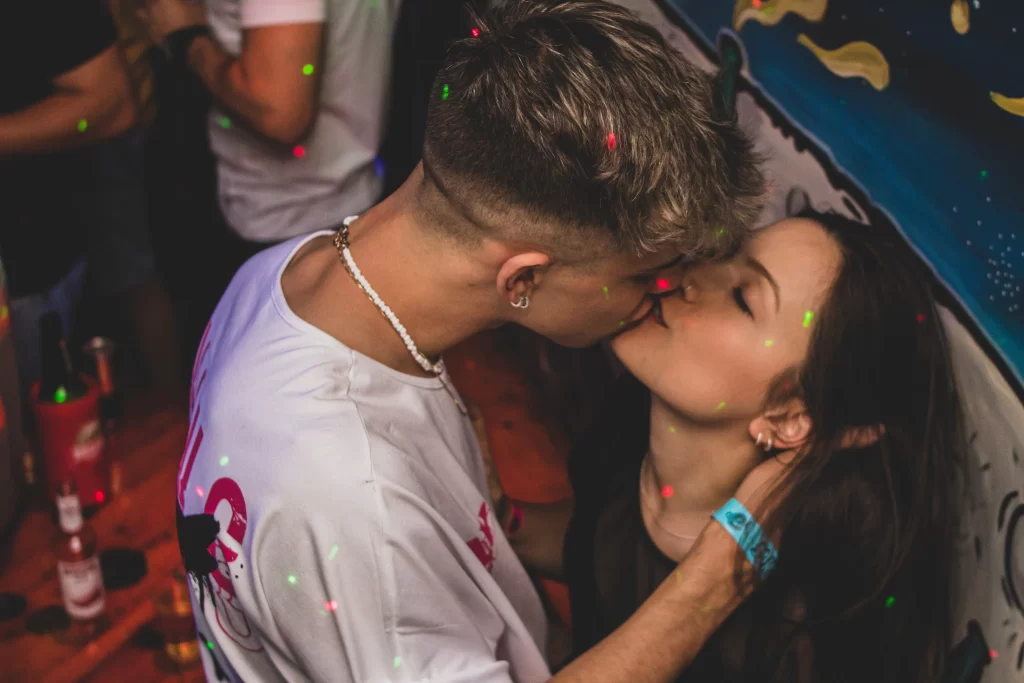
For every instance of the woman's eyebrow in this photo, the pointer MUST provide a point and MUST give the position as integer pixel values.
(763, 272)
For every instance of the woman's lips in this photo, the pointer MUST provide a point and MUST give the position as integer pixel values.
(655, 313)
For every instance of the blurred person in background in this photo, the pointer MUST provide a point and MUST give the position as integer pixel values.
(300, 93)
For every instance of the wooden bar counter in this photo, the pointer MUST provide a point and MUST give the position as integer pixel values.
(140, 516)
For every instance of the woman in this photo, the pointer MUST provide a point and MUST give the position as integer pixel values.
(818, 344)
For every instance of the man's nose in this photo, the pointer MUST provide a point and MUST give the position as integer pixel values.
(666, 281)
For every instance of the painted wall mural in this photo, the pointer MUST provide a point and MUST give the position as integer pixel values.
(909, 117)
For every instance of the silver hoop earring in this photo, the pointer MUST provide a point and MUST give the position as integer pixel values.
(760, 438)
(524, 302)
(769, 448)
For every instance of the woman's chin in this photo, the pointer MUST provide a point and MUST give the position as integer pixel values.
(632, 346)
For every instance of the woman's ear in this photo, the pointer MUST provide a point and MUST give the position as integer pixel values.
(788, 425)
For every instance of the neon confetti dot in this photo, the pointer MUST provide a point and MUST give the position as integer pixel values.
(209, 645)
(398, 662)
(299, 151)
(308, 69)
(768, 342)
(992, 654)
(622, 323)
(100, 497)
(334, 551)
(82, 125)
(662, 283)
(611, 140)
(889, 601)
(605, 290)
(720, 405)
(223, 461)
(331, 605)
(199, 491)
(808, 317)
(224, 122)
(444, 94)
(757, 3)
(60, 395)
(667, 491)
(475, 32)
(672, 429)
(292, 579)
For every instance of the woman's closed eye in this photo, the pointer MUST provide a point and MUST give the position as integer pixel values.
(737, 294)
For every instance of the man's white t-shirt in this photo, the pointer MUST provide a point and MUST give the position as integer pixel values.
(356, 542)
(267, 192)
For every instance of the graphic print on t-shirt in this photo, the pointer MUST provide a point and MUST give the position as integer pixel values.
(211, 542)
(483, 545)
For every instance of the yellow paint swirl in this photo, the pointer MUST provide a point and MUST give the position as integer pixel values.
(856, 59)
(960, 14)
(1012, 105)
(770, 12)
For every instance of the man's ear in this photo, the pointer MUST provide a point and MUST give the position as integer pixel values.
(521, 274)
(788, 425)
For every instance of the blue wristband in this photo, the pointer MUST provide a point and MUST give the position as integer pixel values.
(742, 526)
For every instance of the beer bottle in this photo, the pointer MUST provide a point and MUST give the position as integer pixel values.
(78, 566)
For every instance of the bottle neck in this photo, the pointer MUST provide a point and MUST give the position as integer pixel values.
(69, 511)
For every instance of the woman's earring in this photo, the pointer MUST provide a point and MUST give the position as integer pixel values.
(760, 438)
(524, 302)
(769, 448)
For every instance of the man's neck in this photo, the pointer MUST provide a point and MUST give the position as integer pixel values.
(703, 464)
(438, 295)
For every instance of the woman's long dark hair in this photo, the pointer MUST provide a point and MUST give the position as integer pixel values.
(868, 533)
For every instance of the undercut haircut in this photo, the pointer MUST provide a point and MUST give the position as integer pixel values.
(574, 125)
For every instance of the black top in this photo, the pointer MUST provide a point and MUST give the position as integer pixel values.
(45, 198)
(611, 564)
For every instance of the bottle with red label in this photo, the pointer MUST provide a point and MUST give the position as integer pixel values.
(78, 565)
(67, 411)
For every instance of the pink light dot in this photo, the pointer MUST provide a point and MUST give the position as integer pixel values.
(611, 140)
(662, 283)
(199, 492)
(920, 317)
(331, 605)
(757, 3)
(299, 151)
(992, 654)
(475, 32)
(99, 496)
(667, 491)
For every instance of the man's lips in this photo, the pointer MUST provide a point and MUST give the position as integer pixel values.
(655, 313)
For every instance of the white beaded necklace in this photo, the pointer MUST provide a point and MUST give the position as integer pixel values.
(342, 245)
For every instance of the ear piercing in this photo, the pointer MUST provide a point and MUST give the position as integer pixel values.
(523, 302)
(768, 445)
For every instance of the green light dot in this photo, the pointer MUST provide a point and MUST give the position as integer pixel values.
(605, 290)
(292, 579)
(842, 101)
(334, 551)
(720, 405)
(224, 122)
(398, 662)
(308, 69)
(60, 395)
(82, 125)
(622, 323)
(808, 317)
(209, 645)
(889, 601)
(223, 461)
(768, 342)
(984, 174)
(672, 429)
(444, 95)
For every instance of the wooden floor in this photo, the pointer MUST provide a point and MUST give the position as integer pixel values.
(141, 516)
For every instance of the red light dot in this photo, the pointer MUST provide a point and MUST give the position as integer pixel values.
(992, 654)
(475, 32)
(199, 492)
(611, 140)
(299, 151)
(920, 317)
(667, 491)
(331, 605)
(757, 3)
(662, 283)
(99, 496)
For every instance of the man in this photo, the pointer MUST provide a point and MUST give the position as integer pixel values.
(300, 90)
(332, 501)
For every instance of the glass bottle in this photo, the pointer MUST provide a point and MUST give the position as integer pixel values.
(78, 566)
